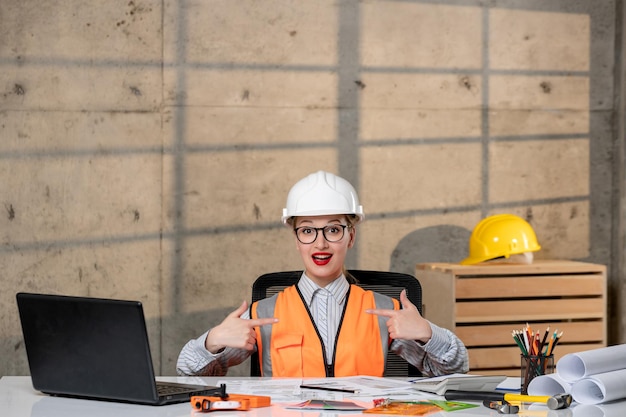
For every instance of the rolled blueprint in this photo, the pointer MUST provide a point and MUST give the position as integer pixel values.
(600, 388)
(575, 366)
(550, 384)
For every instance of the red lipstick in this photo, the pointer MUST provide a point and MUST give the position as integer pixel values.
(321, 258)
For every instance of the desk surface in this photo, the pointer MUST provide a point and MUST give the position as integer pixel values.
(19, 399)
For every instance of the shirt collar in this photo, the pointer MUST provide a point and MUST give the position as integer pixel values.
(338, 288)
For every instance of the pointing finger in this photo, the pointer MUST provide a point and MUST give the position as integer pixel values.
(262, 322)
(381, 312)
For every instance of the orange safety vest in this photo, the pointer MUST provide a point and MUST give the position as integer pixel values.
(295, 349)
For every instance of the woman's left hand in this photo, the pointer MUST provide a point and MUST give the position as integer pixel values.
(406, 323)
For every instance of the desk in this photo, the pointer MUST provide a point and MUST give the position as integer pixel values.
(19, 399)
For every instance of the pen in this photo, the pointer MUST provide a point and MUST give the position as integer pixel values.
(352, 391)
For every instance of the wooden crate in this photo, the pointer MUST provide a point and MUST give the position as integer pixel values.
(484, 303)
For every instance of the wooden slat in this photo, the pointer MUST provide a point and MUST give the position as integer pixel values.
(529, 310)
(530, 286)
(510, 357)
(500, 334)
(539, 267)
(503, 371)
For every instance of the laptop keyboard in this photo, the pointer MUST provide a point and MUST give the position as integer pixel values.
(165, 388)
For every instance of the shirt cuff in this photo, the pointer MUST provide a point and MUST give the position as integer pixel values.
(201, 349)
(439, 341)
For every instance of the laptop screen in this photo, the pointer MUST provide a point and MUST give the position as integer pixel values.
(87, 347)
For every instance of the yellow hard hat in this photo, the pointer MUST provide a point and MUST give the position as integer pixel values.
(501, 235)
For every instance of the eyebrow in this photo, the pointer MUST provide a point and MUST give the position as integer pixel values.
(310, 223)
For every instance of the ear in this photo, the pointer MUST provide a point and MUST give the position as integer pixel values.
(352, 237)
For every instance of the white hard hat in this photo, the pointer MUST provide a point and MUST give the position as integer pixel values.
(320, 194)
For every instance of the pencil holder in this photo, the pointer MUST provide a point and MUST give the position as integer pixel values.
(534, 365)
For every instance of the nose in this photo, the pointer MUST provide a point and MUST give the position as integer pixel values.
(320, 240)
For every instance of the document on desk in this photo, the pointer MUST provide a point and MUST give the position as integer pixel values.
(297, 389)
(465, 382)
(279, 389)
(362, 385)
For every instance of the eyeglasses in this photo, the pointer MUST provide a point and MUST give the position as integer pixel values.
(332, 233)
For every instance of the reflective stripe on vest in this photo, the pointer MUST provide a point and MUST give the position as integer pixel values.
(296, 350)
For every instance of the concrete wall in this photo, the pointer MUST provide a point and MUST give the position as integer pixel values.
(147, 146)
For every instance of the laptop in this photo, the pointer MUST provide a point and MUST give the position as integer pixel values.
(94, 348)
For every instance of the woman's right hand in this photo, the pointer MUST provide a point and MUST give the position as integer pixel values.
(235, 332)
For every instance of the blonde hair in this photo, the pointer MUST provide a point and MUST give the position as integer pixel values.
(352, 219)
(349, 277)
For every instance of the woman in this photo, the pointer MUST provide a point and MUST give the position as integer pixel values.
(323, 325)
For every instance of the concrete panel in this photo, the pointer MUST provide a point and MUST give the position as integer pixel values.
(211, 278)
(82, 199)
(243, 88)
(74, 30)
(399, 178)
(421, 91)
(249, 32)
(535, 40)
(70, 55)
(228, 127)
(538, 92)
(410, 34)
(258, 183)
(78, 187)
(538, 122)
(530, 170)
(65, 134)
(390, 124)
(71, 87)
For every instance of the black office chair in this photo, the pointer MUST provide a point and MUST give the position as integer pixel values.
(387, 283)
